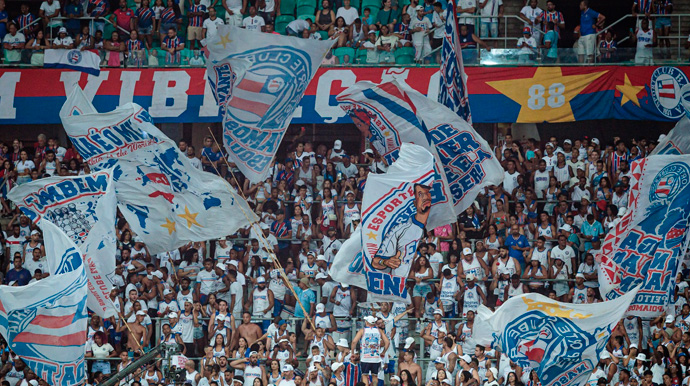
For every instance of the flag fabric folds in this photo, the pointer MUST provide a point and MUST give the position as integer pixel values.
(453, 88)
(648, 243)
(395, 208)
(264, 95)
(165, 200)
(392, 113)
(561, 341)
(677, 141)
(84, 61)
(45, 322)
(84, 208)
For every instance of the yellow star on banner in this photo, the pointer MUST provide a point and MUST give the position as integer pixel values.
(371, 235)
(629, 92)
(169, 225)
(546, 96)
(224, 40)
(553, 309)
(190, 217)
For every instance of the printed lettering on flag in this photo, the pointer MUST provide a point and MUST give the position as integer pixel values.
(163, 197)
(395, 209)
(647, 245)
(45, 322)
(453, 81)
(391, 113)
(264, 96)
(84, 208)
(560, 341)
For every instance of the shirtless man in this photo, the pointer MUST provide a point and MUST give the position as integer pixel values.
(136, 333)
(248, 330)
(407, 364)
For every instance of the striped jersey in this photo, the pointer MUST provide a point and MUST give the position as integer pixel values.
(145, 17)
(134, 45)
(173, 42)
(353, 373)
(616, 159)
(661, 7)
(23, 21)
(168, 15)
(644, 6)
(99, 7)
(197, 21)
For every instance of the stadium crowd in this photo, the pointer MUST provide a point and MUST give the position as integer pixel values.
(137, 33)
(242, 319)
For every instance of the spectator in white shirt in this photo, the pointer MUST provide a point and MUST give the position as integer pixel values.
(63, 40)
(493, 9)
(527, 45)
(210, 26)
(532, 15)
(348, 13)
(254, 22)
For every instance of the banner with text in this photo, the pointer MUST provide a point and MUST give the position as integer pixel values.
(517, 94)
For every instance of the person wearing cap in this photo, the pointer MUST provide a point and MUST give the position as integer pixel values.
(471, 264)
(620, 195)
(419, 26)
(172, 338)
(348, 213)
(578, 294)
(337, 373)
(472, 295)
(373, 345)
(282, 229)
(252, 369)
(168, 304)
(346, 169)
(221, 322)
(314, 375)
(34, 243)
(336, 154)
(283, 352)
(324, 319)
(527, 45)
(330, 243)
(185, 326)
(137, 334)
(306, 296)
(465, 362)
(342, 297)
(261, 302)
(610, 368)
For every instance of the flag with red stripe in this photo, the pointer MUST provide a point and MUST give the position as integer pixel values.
(257, 103)
(45, 321)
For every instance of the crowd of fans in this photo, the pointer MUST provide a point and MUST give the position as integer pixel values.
(138, 33)
(244, 320)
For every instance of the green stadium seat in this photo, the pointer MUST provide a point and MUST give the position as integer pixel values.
(287, 7)
(305, 17)
(402, 4)
(341, 52)
(281, 22)
(306, 9)
(404, 55)
(361, 57)
(324, 35)
(371, 4)
(354, 3)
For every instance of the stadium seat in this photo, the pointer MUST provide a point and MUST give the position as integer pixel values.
(373, 5)
(404, 55)
(305, 17)
(282, 21)
(306, 7)
(402, 4)
(324, 35)
(361, 57)
(287, 7)
(355, 4)
(341, 52)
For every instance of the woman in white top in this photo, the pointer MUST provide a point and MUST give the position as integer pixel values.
(100, 349)
(24, 167)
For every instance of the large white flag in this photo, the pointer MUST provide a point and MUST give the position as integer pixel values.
(677, 141)
(561, 341)
(74, 59)
(395, 208)
(164, 198)
(392, 113)
(45, 322)
(84, 208)
(257, 103)
(645, 248)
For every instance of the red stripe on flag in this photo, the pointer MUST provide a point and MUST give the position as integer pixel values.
(76, 339)
(250, 106)
(251, 85)
(667, 94)
(49, 321)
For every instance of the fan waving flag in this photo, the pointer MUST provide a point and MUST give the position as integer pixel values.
(647, 245)
(395, 209)
(80, 60)
(392, 113)
(165, 200)
(258, 102)
(560, 341)
(45, 322)
(84, 208)
(453, 88)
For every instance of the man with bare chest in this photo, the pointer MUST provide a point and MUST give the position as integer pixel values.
(408, 364)
(136, 333)
(248, 330)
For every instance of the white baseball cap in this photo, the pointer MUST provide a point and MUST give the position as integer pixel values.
(264, 226)
(438, 311)
(466, 358)
(342, 343)
(167, 292)
(469, 277)
(158, 274)
(409, 342)
(368, 151)
(222, 266)
(321, 258)
(605, 355)
(35, 232)
(288, 368)
(670, 319)
(140, 312)
(337, 145)
(320, 307)
(335, 366)
(321, 275)
(595, 140)
(370, 319)
(172, 315)
(566, 227)
(261, 279)
(569, 142)
(466, 251)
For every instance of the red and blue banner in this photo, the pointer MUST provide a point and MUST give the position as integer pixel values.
(517, 94)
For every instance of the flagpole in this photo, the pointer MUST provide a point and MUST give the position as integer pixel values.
(122, 317)
(263, 240)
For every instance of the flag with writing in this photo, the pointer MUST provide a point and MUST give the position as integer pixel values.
(45, 321)
(392, 113)
(562, 342)
(165, 200)
(258, 102)
(80, 60)
(646, 246)
(452, 91)
(395, 209)
(84, 208)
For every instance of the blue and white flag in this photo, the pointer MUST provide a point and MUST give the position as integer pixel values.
(45, 322)
(677, 141)
(453, 88)
(73, 59)
(392, 113)
(84, 208)
(395, 208)
(165, 200)
(561, 341)
(264, 96)
(647, 245)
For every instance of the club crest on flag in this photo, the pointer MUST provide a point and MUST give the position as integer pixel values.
(666, 84)
(74, 56)
(669, 182)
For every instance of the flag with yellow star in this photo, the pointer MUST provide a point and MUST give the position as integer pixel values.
(166, 201)
(395, 208)
(562, 342)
